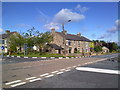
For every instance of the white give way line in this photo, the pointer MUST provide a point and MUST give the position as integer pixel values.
(98, 70)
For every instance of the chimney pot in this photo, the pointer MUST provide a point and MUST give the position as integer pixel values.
(64, 32)
(79, 34)
(53, 30)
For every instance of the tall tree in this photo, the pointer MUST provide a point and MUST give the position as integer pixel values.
(42, 39)
(29, 37)
(16, 40)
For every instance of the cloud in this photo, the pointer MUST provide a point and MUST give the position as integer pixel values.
(111, 30)
(64, 15)
(115, 28)
(1, 30)
(103, 36)
(81, 9)
(51, 25)
(21, 25)
(42, 16)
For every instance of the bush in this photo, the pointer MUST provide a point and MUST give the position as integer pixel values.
(12, 49)
(98, 48)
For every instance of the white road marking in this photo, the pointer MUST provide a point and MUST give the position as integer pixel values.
(86, 63)
(18, 84)
(30, 78)
(43, 57)
(12, 82)
(62, 69)
(18, 56)
(25, 57)
(68, 67)
(60, 57)
(35, 79)
(44, 74)
(12, 56)
(74, 66)
(59, 72)
(7, 55)
(54, 72)
(67, 57)
(34, 57)
(52, 57)
(49, 75)
(67, 70)
(98, 70)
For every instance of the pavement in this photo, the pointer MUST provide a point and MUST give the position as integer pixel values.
(63, 73)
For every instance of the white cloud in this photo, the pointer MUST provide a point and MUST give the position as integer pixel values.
(51, 25)
(42, 16)
(117, 22)
(115, 28)
(64, 15)
(22, 25)
(1, 30)
(111, 30)
(81, 9)
(103, 36)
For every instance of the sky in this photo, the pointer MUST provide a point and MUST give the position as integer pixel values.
(94, 20)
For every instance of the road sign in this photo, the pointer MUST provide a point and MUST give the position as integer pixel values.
(25, 46)
(2, 47)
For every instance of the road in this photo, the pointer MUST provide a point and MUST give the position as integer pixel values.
(60, 73)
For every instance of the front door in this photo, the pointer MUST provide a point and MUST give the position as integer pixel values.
(59, 51)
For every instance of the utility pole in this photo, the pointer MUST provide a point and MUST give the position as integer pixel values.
(64, 39)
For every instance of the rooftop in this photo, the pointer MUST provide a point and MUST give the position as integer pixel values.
(6, 35)
(74, 37)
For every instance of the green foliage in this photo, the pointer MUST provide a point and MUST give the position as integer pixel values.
(112, 47)
(42, 39)
(98, 48)
(16, 40)
(12, 49)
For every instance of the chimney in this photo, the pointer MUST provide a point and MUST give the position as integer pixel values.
(7, 31)
(79, 34)
(64, 32)
(53, 30)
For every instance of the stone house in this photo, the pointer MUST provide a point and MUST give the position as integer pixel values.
(4, 39)
(69, 43)
(105, 49)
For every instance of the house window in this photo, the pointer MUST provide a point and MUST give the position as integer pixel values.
(69, 42)
(86, 44)
(78, 43)
(70, 50)
(2, 41)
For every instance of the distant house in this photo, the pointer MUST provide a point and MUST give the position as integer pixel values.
(4, 40)
(105, 49)
(69, 43)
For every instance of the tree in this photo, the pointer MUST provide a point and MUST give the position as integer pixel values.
(16, 40)
(29, 37)
(112, 46)
(98, 48)
(42, 39)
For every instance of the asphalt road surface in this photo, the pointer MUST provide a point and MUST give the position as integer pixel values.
(81, 79)
(63, 73)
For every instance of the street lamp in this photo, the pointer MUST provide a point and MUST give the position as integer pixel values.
(64, 40)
